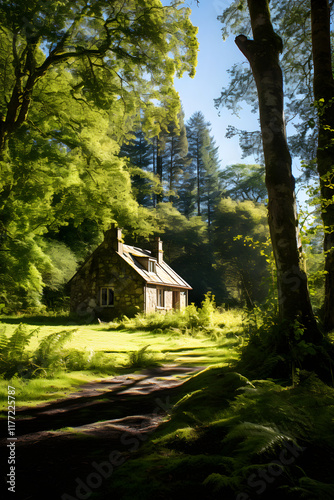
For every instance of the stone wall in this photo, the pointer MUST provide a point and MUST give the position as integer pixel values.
(106, 268)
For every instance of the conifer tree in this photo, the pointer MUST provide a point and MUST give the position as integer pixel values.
(139, 153)
(175, 153)
(204, 165)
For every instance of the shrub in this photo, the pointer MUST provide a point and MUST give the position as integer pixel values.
(49, 357)
(141, 358)
(192, 320)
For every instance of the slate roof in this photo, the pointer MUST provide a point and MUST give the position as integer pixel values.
(164, 274)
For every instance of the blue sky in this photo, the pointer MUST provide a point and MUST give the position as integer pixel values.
(214, 59)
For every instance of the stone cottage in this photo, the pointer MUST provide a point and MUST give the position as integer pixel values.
(119, 279)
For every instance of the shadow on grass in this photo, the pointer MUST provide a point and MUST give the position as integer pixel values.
(40, 320)
(103, 400)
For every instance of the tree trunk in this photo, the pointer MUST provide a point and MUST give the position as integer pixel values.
(198, 176)
(263, 56)
(323, 85)
(159, 169)
(171, 173)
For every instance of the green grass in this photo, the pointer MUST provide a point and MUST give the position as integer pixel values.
(224, 430)
(122, 351)
(33, 391)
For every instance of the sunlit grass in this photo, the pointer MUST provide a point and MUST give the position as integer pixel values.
(119, 348)
(33, 391)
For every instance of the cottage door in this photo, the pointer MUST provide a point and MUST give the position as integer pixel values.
(176, 300)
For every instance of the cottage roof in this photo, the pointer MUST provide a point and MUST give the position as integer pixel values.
(163, 275)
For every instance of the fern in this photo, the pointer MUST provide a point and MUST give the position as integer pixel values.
(3, 341)
(257, 439)
(141, 358)
(310, 489)
(18, 342)
(49, 354)
(14, 357)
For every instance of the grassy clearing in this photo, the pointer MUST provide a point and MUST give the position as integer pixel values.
(96, 351)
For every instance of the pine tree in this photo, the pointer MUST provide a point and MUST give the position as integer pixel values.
(203, 167)
(139, 153)
(210, 179)
(175, 154)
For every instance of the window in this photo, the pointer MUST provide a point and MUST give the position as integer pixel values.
(160, 297)
(106, 296)
(151, 266)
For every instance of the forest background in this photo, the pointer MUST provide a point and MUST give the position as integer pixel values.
(93, 132)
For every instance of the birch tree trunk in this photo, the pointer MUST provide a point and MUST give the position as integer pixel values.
(323, 85)
(263, 55)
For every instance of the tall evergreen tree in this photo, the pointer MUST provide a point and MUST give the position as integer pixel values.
(139, 153)
(175, 156)
(204, 164)
(210, 178)
(197, 134)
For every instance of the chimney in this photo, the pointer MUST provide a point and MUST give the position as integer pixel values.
(157, 250)
(113, 238)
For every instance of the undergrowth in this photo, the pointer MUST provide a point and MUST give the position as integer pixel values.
(274, 348)
(49, 358)
(142, 358)
(235, 438)
(207, 320)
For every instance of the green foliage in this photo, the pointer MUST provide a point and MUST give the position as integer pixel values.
(244, 182)
(278, 349)
(49, 358)
(257, 439)
(256, 433)
(64, 125)
(243, 251)
(14, 356)
(291, 19)
(49, 354)
(142, 358)
(191, 320)
(310, 489)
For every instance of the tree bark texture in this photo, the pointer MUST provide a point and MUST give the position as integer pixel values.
(263, 55)
(323, 85)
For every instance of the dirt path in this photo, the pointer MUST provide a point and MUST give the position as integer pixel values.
(108, 420)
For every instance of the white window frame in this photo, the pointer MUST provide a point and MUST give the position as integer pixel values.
(110, 290)
(152, 266)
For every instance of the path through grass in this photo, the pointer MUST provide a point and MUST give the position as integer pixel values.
(119, 348)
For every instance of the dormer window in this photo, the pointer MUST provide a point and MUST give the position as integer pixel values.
(152, 266)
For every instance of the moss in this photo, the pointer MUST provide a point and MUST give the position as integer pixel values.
(224, 429)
